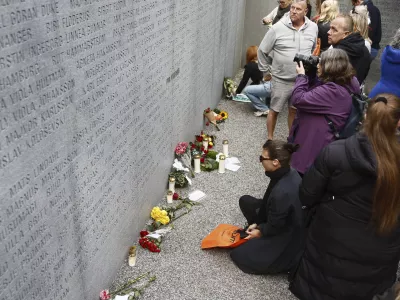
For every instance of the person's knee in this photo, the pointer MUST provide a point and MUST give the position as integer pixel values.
(243, 199)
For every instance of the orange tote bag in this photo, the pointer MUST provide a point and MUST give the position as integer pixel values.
(224, 236)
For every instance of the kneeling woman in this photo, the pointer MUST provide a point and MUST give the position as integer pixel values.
(316, 99)
(275, 221)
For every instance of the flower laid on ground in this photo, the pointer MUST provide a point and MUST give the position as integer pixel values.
(181, 180)
(159, 215)
(220, 116)
(175, 196)
(105, 295)
(152, 246)
(143, 233)
(229, 87)
(183, 154)
(207, 159)
(211, 117)
(224, 115)
(128, 289)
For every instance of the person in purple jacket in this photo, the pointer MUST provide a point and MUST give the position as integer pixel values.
(328, 94)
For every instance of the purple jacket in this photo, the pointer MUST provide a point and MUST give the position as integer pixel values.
(310, 129)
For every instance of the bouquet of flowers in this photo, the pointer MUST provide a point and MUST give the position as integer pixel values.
(211, 117)
(182, 153)
(220, 115)
(149, 243)
(128, 289)
(208, 157)
(229, 87)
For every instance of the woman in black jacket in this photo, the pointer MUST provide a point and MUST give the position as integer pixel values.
(329, 11)
(275, 221)
(352, 248)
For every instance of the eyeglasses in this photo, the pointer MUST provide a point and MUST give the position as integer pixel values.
(265, 158)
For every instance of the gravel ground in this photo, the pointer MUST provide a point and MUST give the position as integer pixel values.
(183, 270)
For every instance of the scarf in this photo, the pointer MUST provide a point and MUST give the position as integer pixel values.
(275, 176)
(280, 13)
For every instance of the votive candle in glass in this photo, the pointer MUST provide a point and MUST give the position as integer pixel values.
(170, 195)
(225, 145)
(197, 163)
(221, 167)
(171, 185)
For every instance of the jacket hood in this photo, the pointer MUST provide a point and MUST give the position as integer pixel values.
(286, 20)
(353, 44)
(391, 55)
(360, 155)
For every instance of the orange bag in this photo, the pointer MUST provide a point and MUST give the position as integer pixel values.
(224, 236)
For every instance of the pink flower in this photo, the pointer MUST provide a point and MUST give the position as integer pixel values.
(181, 148)
(105, 295)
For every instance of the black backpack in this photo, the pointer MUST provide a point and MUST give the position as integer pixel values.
(353, 123)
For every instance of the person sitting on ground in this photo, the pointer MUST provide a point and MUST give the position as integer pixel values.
(328, 95)
(352, 249)
(258, 89)
(390, 69)
(276, 220)
(341, 36)
(281, 68)
(329, 11)
(360, 20)
(277, 13)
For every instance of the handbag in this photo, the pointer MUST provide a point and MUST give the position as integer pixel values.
(223, 236)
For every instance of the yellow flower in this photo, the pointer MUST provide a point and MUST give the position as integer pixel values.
(159, 215)
(224, 115)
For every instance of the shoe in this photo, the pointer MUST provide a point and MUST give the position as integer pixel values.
(261, 113)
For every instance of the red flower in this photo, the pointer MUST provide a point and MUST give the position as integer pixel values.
(202, 148)
(210, 146)
(208, 124)
(202, 160)
(193, 146)
(199, 138)
(143, 233)
(205, 151)
(175, 196)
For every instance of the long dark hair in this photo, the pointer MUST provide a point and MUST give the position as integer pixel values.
(380, 127)
(281, 151)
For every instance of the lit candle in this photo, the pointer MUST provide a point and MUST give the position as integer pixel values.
(170, 196)
(197, 163)
(225, 145)
(221, 167)
(205, 143)
(171, 185)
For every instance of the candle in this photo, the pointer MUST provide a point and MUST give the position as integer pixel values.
(170, 196)
(197, 163)
(221, 167)
(225, 145)
(171, 185)
(205, 143)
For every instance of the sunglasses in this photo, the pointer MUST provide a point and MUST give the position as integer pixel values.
(265, 158)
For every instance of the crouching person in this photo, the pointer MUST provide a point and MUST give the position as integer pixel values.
(276, 220)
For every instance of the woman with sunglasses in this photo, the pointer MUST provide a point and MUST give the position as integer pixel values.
(275, 221)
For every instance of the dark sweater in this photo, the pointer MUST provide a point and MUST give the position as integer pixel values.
(323, 29)
(375, 27)
(252, 72)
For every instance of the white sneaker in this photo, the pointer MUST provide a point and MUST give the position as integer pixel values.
(261, 113)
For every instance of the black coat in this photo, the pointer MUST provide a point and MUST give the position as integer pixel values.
(359, 56)
(323, 28)
(277, 250)
(344, 259)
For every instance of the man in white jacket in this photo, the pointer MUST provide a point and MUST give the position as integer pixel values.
(294, 33)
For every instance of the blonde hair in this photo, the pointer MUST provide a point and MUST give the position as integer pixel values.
(360, 21)
(329, 11)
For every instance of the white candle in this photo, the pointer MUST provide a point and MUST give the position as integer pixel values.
(197, 163)
(170, 196)
(225, 150)
(221, 167)
(205, 143)
(171, 185)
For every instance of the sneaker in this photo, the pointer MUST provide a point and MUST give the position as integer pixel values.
(261, 113)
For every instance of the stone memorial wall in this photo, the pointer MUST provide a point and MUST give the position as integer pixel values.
(94, 95)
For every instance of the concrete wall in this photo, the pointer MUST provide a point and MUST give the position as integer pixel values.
(94, 96)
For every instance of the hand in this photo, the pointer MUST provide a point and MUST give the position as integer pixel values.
(253, 233)
(267, 77)
(300, 69)
(266, 21)
(252, 226)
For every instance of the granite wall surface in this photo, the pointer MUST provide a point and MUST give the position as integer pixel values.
(94, 95)
(256, 10)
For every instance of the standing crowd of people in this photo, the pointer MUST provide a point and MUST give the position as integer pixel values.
(330, 215)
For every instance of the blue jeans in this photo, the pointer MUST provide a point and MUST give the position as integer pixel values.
(256, 92)
(374, 53)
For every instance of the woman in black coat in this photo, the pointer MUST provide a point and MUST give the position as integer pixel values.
(275, 221)
(353, 243)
